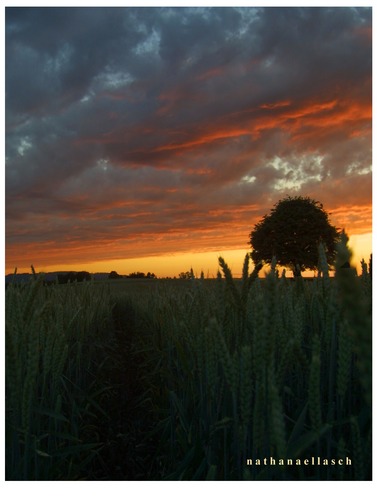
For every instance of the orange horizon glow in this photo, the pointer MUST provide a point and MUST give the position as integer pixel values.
(171, 264)
(168, 253)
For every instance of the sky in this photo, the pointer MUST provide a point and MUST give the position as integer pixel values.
(153, 139)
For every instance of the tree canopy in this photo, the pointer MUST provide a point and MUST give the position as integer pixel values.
(292, 232)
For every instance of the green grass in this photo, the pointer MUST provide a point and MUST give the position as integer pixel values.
(176, 379)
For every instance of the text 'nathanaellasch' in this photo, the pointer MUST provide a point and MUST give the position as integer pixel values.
(299, 461)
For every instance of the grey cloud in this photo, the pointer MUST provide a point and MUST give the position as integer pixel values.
(61, 50)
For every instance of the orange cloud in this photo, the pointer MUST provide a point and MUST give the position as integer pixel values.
(211, 73)
(276, 105)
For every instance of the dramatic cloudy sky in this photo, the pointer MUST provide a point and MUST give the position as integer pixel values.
(138, 133)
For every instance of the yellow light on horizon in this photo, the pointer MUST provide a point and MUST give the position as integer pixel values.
(361, 247)
(170, 265)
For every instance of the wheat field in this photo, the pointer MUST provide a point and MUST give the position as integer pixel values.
(194, 380)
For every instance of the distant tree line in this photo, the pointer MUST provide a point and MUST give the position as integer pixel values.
(187, 275)
(73, 276)
(80, 276)
(137, 275)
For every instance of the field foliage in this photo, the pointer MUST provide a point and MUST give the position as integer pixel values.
(187, 379)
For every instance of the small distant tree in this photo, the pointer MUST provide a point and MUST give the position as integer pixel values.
(292, 232)
(73, 276)
(114, 275)
(136, 275)
(83, 276)
(185, 275)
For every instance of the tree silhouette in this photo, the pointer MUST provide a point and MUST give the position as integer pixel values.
(139, 275)
(114, 275)
(72, 276)
(292, 232)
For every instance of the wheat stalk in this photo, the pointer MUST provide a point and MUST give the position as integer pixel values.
(315, 386)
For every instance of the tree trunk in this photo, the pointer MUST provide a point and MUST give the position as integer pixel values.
(297, 271)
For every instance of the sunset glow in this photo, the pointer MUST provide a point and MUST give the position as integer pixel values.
(153, 139)
(171, 265)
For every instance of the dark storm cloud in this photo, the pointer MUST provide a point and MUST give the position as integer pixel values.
(112, 110)
(58, 51)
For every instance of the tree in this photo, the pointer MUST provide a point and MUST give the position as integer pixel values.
(114, 276)
(292, 232)
(73, 276)
(185, 275)
(137, 275)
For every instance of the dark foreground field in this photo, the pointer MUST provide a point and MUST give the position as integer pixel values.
(190, 380)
